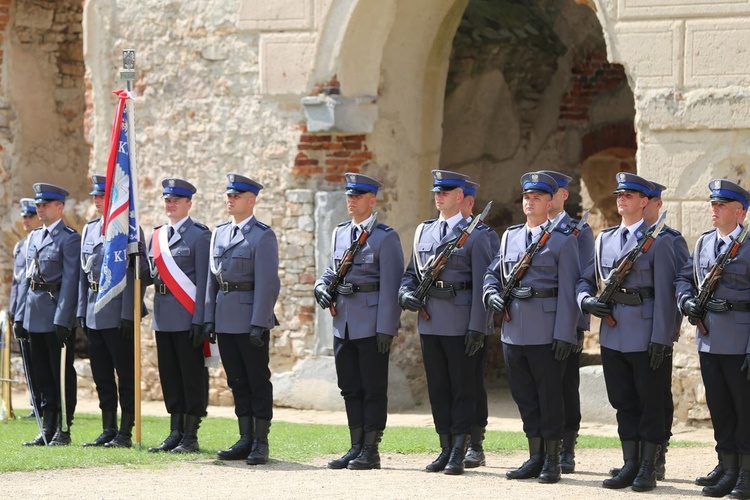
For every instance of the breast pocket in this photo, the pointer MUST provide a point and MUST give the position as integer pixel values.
(510, 260)
(241, 260)
(642, 270)
(181, 252)
(364, 257)
(735, 275)
(460, 259)
(546, 264)
(425, 251)
(606, 264)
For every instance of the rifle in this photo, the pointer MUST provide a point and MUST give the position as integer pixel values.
(617, 276)
(346, 263)
(518, 271)
(437, 263)
(711, 280)
(581, 223)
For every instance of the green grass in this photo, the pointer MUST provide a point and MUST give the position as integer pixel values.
(288, 442)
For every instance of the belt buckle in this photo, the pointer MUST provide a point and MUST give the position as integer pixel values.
(440, 284)
(225, 287)
(161, 289)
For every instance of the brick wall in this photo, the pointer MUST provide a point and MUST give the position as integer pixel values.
(590, 76)
(328, 156)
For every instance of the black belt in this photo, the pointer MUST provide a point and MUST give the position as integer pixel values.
(526, 292)
(447, 289)
(227, 287)
(721, 305)
(161, 288)
(352, 288)
(45, 287)
(632, 296)
(94, 286)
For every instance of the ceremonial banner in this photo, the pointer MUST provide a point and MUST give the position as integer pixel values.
(120, 221)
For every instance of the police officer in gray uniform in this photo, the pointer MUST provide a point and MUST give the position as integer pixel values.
(109, 333)
(458, 319)
(475, 452)
(633, 350)
(367, 318)
(240, 296)
(30, 222)
(179, 331)
(725, 348)
(541, 333)
(571, 376)
(47, 315)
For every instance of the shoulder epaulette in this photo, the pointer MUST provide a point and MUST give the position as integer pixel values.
(611, 228)
(672, 231)
(223, 224)
(708, 232)
(566, 230)
(201, 226)
(515, 226)
(487, 228)
(92, 221)
(160, 225)
(70, 230)
(261, 225)
(344, 223)
(37, 229)
(429, 221)
(384, 227)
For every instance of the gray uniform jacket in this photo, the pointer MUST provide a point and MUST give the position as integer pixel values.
(452, 316)
(652, 321)
(681, 255)
(728, 331)
(380, 260)
(252, 256)
(189, 248)
(538, 321)
(19, 274)
(585, 255)
(92, 257)
(55, 258)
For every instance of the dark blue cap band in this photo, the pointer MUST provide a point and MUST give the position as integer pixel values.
(178, 191)
(362, 187)
(45, 195)
(450, 182)
(470, 191)
(242, 186)
(633, 186)
(539, 186)
(732, 195)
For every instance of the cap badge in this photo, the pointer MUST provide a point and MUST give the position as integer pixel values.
(171, 183)
(438, 175)
(534, 178)
(351, 178)
(231, 177)
(621, 177)
(717, 184)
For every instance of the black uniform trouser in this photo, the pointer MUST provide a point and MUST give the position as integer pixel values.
(37, 393)
(248, 374)
(535, 379)
(571, 380)
(668, 398)
(45, 356)
(482, 412)
(728, 398)
(182, 374)
(362, 374)
(109, 353)
(450, 383)
(630, 387)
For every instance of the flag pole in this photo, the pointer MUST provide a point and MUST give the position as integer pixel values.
(127, 73)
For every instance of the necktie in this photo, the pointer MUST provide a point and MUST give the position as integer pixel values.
(529, 238)
(720, 247)
(235, 229)
(355, 233)
(45, 234)
(443, 229)
(624, 237)
(170, 233)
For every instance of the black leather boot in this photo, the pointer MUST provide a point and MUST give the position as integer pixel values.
(189, 442)
(109, 429)
(61, 438)
(728, 480)
(551, 469)
(475, 453)
(176, 426)
(742, 488)
(259, 453)
(533, 466)
(455, 465)
(49, 425)
(125, 434)
(369, 457)
(646, 478)
(356, 435)
(712, 477)
(661, 461)
(241, 449)
(441, 461)
(629, 470)
(568, 452)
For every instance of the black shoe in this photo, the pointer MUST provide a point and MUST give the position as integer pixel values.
(49, 419)
(629, 470)
(259, 452)
(661, 461)
(742, 488)
(189, 442)
(109, 429)
(551, 470)
(31, 414)
(475, 453)
(728, 480)
(568, 452)
(356, 434)
(455, 465)
(176, 426)
(712, 477)
(438, 465)
(123, 439)
(60, 438)
(241, 449)
(532, 467)
(646, 478)
(369, 457)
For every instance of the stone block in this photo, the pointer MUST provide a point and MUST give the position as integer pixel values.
(635, 9)
(333, 113)
(595, 405)
(276, 16)
(312, 385)
(33, 16)
(299, 196)
(716, 53)
(651, 52)
(286, 61)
